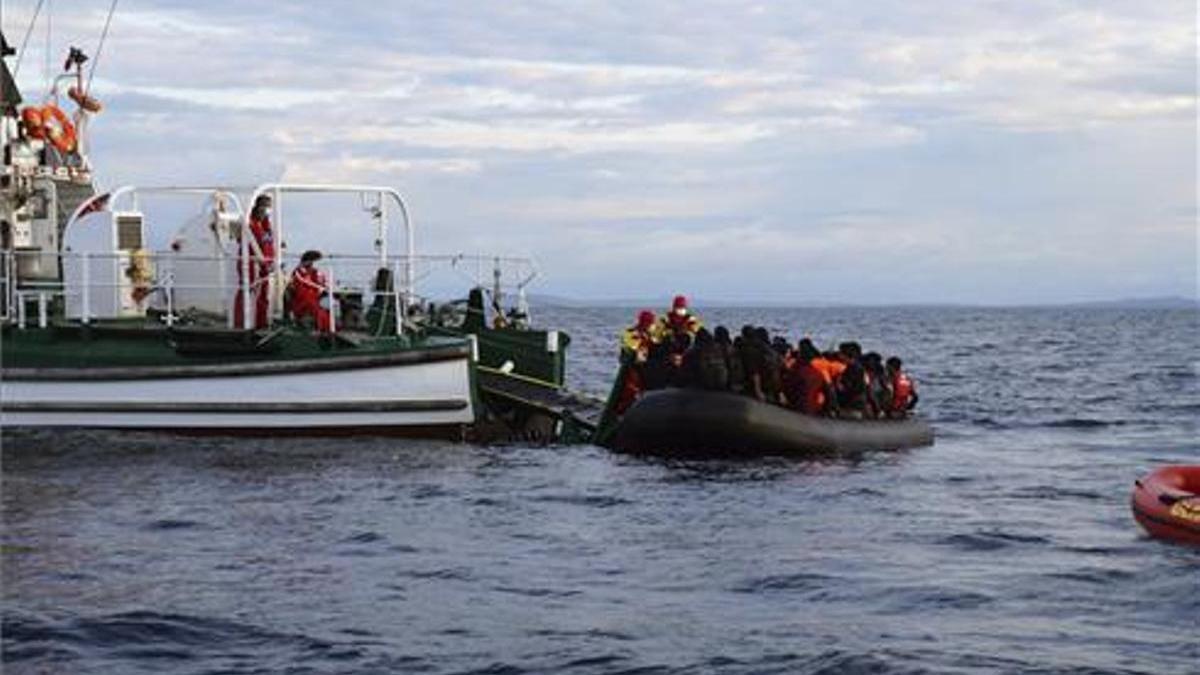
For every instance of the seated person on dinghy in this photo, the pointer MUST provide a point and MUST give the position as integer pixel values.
(879, 386)
(761, 365)
(904, 392)
(704, 364)
(733, 360)
(809, 390)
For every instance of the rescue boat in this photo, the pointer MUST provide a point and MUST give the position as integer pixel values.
(126, 309)
(699, 423)
(1166, 503)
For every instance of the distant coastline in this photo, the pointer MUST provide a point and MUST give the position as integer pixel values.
(1154, 302)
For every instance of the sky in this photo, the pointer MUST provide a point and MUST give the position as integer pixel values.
(893, 151)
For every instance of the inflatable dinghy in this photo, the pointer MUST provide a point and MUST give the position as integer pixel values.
(695, 422)
(1166, 503)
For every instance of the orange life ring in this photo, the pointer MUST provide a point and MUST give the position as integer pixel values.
(34, 125)
(59, 129)
(84, 101)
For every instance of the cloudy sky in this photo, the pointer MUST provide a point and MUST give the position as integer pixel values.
(884, 151)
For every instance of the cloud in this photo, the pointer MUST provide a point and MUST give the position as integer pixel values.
(977, 140)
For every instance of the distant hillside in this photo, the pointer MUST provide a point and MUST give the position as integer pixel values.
(1158, 302)
(1163, 302)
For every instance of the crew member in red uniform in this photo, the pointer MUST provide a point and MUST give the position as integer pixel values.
(306, 289)
(262, 261)
(904, 392)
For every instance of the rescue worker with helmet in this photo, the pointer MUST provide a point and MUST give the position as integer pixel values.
(678, 321)
(677, 331)
(637, 341)
(262, 260)
(306, 290)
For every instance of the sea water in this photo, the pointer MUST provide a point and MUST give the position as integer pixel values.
(1006, 547)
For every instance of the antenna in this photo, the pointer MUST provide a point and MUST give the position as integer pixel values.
(25, 40)
(100, 47)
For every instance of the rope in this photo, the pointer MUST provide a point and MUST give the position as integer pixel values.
(28, 31)
(100, 47)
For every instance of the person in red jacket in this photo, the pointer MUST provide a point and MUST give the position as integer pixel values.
(904, 392)
(262, 261)
(809, 386)
(306, 290)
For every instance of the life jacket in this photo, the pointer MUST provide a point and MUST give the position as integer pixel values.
(673, 325)
(902, 391)
(831, 370)
(810, 384)
(636, 342)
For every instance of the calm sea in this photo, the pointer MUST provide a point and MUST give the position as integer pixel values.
(1007, 547)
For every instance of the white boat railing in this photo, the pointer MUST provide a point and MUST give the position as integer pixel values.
(131, 284)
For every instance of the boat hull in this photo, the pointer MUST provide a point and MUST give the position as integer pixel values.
(417, 390)
(707, 423)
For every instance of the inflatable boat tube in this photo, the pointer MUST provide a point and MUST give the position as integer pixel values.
(1166, 503)
(692, 422)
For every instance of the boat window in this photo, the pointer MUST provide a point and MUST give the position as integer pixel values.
(129, 232)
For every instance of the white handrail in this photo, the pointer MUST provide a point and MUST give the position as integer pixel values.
(87, 297)
(354, 273)
(330, 284)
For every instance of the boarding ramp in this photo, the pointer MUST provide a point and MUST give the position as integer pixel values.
(533, 404)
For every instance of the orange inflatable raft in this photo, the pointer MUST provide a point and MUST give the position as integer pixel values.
(1166, 503)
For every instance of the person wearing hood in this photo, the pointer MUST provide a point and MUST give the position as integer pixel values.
(733, 359)
(638, 342)
(704, 364)
(637, 339)
(678, 322)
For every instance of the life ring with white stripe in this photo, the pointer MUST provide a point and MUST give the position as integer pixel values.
(58, 128)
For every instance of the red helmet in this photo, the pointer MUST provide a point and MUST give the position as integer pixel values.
(679, 305)
(645, 318)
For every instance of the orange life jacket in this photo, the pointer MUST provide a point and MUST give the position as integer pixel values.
(812, 384)
(902, 391)
(830, 369)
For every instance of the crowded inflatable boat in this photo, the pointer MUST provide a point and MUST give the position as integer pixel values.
(682, 389)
